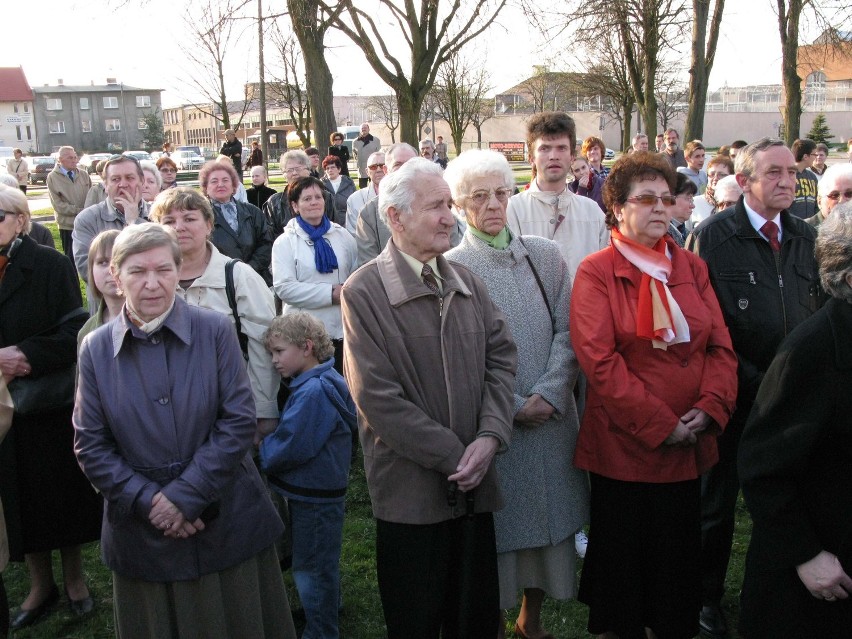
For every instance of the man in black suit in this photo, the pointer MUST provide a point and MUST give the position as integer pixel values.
(762, 267)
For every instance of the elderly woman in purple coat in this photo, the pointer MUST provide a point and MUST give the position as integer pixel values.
(164, 421)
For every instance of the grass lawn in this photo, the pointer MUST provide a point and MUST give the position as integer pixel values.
(362, 615)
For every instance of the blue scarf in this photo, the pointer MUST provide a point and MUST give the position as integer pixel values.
(324, 257)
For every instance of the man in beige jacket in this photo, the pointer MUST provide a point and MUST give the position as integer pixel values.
(67, 187)
(431, 367)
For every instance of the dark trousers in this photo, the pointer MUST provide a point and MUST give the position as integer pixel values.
(65, 236)
(720, 487)
(363, 182)
(439, 579)
(23, 188)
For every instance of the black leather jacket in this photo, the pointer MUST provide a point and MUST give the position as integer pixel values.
(763, 295)
(251, 243)
(278, 212)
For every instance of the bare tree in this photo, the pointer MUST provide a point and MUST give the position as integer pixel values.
(310, 24)
(385, 107)
(646, 28)
(549, 90)
(486, 112)
(672, 96)
(288, 81)
(459, 94)
(703, 56)
(211, 25)
(433, 32)
(609, 76)
(791, 13)
(428, 111)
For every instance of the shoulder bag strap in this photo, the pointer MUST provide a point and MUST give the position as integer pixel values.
(540, 284)
(231, 292)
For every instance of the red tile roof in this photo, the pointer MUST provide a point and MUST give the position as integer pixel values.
(14, 85)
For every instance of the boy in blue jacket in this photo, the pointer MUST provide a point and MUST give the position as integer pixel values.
(307, 460)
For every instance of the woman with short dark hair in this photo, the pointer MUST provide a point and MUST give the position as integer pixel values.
(339, 150)
(339, 184)
(312, 259)
(651, 340)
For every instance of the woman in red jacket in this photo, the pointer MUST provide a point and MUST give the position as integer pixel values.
(650, 337)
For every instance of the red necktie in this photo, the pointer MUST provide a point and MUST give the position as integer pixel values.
(770, 230)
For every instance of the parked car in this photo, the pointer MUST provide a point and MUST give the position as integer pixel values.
(187, 160)
(89, 162)
(610, 154)
(40, 166)
(139, 155)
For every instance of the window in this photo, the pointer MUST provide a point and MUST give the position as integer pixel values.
(112, 124)
(53, 104)
(26, 107)
(143, 101)
(57, 127)
(29, 133)
(86, 126)
(84, 104)
(111, 103)
(18, 131)
(142, 123)
(16, 110)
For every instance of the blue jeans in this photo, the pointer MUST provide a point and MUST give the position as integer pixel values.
(317, 537)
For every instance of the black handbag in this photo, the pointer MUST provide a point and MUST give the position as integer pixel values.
(48, 392)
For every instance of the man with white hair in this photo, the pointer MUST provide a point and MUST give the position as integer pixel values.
(640, 142)
(427, 149)
(431, 366)
(834, 188)
(371, 233)
(67, 188)
(357, 201)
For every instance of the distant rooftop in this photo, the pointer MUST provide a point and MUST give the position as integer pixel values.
(14, 86)
(111, 85)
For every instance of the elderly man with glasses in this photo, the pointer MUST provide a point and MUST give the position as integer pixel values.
(376, 170)
(294, 165)
(835, 187)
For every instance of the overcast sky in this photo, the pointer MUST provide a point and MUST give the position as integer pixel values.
(140, 47)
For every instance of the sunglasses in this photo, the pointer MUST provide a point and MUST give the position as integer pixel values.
(835, 195)
(373, 167)
(647, 199)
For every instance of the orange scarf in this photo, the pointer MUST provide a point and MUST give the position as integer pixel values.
(658, 316)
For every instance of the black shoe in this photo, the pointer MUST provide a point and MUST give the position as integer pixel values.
(23, 618)
(712, 621)
(80, 607)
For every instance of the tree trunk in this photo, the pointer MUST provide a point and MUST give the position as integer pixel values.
(703, 56)
(627, 123)
(311, 34)
(788, 27)
(409, 115)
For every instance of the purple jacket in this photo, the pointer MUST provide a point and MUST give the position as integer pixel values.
(596, 192)
(172, 411)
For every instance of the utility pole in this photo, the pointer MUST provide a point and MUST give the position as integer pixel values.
(263, 137)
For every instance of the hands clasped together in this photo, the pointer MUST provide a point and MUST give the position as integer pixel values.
(689, 426)
(165, 516)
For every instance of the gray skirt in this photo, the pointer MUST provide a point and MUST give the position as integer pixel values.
(246, 600)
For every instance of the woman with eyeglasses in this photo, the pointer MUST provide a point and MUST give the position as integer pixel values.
(340, 151)
(168, 172)
(546, 497)
(650, 338)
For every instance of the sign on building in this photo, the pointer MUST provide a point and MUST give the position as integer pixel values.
(513, 151)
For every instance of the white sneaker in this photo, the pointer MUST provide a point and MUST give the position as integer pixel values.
(581, 542)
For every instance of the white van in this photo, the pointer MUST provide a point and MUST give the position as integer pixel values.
(349, 135)
(6, 154)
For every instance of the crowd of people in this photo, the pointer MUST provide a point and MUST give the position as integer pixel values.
(590, 367)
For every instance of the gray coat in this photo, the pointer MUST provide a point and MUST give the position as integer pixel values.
(547, 499)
